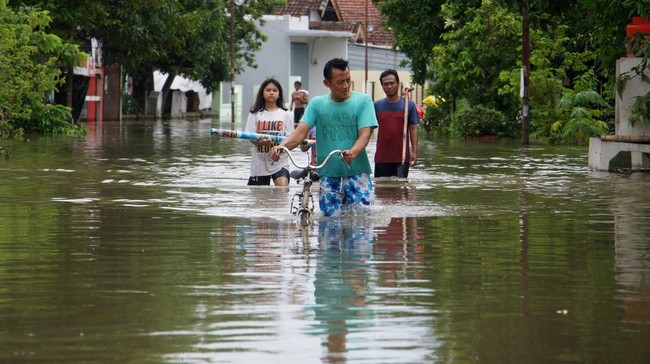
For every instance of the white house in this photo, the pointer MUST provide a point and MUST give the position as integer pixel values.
(292, 52)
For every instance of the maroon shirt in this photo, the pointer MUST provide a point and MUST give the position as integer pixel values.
(390, 116)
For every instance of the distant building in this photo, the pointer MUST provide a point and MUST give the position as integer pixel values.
(96, 89)
(305, 34)
(369, 45)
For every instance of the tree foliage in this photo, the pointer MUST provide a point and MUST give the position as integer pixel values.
(30, 58)
(473, 53)
(581, 111)
(189, 38)
(417, 27)
(178, 37)
(553, 61)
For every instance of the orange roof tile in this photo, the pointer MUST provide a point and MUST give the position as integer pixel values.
(343, 11)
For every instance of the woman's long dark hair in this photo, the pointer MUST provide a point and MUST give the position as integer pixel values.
(260, 104)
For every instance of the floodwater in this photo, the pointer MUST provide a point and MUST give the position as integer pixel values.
(141, 243)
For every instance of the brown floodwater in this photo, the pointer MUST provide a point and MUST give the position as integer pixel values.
(142, 243)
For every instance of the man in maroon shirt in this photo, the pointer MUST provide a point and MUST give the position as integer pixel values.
(390, 159)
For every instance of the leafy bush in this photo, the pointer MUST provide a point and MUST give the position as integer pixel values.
(30, 59)
(480, 120)
(580, 112)
(641, 110)
(54, 119)
(8, 131)
(436, 116)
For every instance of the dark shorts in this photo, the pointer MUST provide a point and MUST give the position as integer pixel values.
(391, 170)
(266, 180)
(297, 114)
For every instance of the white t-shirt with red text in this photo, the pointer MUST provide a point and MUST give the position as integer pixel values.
(276, 122)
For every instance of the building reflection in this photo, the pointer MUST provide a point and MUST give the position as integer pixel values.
(632, 249)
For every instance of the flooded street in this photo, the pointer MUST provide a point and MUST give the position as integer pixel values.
(141, 243)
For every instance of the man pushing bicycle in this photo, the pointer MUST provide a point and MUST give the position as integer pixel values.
(344, 120)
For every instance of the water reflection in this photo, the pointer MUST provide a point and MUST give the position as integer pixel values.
(631, 263)
(342, 285)
(364, 275)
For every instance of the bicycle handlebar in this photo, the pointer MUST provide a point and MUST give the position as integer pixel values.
(310, 167)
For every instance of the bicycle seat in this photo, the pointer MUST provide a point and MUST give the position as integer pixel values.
(298, 173)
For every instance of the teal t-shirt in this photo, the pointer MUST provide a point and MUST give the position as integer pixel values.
(337, 127)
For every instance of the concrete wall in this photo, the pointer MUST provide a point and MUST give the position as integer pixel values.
(273, 60)
(322, 51)
(634, 87)
(611, 155)
(179, 104)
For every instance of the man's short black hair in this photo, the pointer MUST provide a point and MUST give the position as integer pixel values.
(297, 83)
(386, 73)
(338, 63)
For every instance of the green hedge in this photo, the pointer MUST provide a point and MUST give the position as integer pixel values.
(480, 120)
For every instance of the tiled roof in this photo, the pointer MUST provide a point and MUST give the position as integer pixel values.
(355, 11)
(298, 7)
(346, 12)
(334, 26)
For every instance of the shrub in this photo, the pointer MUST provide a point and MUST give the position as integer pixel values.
(54, 119)
(580, 112)
(480, 120)
(435, 117)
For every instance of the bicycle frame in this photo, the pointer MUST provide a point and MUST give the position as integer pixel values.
(305, 207)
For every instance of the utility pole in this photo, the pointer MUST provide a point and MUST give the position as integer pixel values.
(232, 62)
(525, 70)
(366, 34)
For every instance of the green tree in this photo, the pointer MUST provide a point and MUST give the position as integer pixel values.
(552, 61)
(602, 31)
(72, 21)
(472, 41)
(417, 26)
(189, 38)
(29, 71)
(467, 63)
(179, 37)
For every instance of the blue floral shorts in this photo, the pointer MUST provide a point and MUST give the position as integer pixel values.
(341, 194)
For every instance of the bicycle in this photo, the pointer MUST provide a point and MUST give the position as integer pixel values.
(308, 174)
